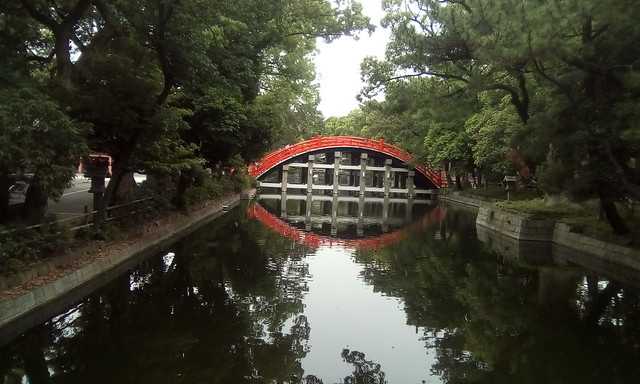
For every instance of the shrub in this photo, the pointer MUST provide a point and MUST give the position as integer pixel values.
(553, 177)
(538, 207)
(23, 245)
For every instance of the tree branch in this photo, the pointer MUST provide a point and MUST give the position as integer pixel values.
(522, 106)
(105, 34)
(76, 13)
(595, 69)
(461, 3)
(427, 73)
(42, 59)
(632, 188)
(38, 16)
(561, 87)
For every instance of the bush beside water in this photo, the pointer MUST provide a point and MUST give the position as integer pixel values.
(21, 246)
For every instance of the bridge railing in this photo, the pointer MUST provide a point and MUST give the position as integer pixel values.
(271, 160)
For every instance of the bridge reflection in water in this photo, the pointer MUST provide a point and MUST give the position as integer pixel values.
(345, 221)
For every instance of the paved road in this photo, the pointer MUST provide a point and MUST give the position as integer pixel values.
(74, 199)
(73, 202)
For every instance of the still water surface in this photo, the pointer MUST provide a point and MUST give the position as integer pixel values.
(240, 301)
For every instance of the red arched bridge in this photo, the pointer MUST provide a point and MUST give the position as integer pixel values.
(346, 163)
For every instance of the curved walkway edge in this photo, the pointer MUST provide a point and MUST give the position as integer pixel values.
(520, 228)
(76, 275)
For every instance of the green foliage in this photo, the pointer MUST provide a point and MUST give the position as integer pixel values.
(107, 231)
(37, 137)
(554, 81)
(499, 193)
(161, 86)
(553, 178)
(491, 131)
(22, 246)
(206, 187)
(354, 124)
(160, 194)
(541, 208)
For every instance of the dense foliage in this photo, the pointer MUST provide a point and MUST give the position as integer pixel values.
(166, 87)
(530, 88)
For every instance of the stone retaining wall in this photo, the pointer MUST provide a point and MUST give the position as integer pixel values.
(603, 250)
(585, 250)
(475, 201)
(516, 226)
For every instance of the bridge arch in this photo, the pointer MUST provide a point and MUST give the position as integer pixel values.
(319, 143)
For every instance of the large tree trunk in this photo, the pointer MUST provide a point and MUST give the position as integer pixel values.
(126, 187)
(185, 181)
(35, 202)
(5, 183)
(613, 217)
(112, 188)
(458, 182)
(447, 173)
(119, 168)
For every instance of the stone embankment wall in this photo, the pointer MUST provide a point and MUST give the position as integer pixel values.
(169, 230)
(516, 226)
(613, 252)
(521, 228)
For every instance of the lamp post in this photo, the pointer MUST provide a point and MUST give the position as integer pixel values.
(96, 168)
(509, 185)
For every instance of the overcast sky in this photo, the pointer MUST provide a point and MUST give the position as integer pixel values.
(338, 64)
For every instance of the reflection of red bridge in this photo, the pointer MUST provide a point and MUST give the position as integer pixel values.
(315, 241)
(317, 144)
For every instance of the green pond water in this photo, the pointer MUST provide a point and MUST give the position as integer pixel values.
(373, 293)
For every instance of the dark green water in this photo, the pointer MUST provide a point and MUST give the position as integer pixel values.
(236, 302)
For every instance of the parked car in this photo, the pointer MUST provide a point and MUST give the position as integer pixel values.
(18, 189)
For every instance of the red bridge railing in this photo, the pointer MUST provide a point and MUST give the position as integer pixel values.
(283, 154)
(315, 241)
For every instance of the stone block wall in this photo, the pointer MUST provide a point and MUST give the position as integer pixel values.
(603, 250)
(516, 226)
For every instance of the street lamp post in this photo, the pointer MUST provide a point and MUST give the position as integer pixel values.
(96, 168)
(509, 185)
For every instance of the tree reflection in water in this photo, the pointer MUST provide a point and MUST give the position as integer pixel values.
(212, 310)
(365, 371)
(491, 319)
(226, 305)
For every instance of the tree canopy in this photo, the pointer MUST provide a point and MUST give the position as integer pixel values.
(159, 85)
(508, 86)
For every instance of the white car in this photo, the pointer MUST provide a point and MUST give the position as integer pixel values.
(17, 190)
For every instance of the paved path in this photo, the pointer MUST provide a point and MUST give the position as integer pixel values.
(75, 201)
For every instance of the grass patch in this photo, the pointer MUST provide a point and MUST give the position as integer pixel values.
(540, 208)
(499, 193)
(583, 215)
